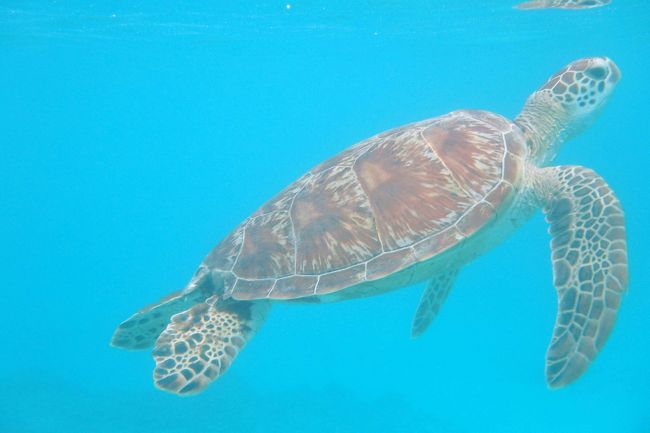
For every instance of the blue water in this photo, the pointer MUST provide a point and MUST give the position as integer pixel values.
(133, 138)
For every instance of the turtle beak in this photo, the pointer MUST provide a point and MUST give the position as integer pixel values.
(614, 72)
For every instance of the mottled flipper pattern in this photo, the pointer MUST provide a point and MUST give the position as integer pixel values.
(141, 330)
(199, 344)
(589, 255)
(432, 298)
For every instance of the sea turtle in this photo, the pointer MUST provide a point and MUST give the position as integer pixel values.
(563, 4)
(411, 204)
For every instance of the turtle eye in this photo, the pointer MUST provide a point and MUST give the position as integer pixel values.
(597, 72)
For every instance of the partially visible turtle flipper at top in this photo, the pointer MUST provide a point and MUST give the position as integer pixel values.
(562, 4)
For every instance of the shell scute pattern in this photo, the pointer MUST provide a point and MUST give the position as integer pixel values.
(437, 243)
(283, 201)
(250, 289)
(499, 195)
(338, 280)
(224, 255)
(347, 157)
(267, 247)
(334, 225)
(413, 193)
(475, 218)
(468, 148)
(293, 287)
(514, 140)
(386, 203)
(388, 263)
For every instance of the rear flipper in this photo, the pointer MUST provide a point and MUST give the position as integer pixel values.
(141, 330)
(589, 255)
(199, 344)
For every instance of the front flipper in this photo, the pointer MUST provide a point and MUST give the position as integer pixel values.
(589, 256)
(199, 344)
(432, 298)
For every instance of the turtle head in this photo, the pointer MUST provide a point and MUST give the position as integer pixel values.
(583, 88)
(568, 103)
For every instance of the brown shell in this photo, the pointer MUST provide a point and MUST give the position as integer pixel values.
(382, 205)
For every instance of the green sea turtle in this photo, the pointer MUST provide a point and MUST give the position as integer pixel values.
(412, 204)
(563, 4)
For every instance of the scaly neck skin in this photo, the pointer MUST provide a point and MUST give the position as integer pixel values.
(545, 127)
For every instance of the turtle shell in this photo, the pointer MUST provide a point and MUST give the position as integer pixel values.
(384, 204)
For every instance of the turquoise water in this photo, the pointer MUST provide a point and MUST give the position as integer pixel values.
(135, 137)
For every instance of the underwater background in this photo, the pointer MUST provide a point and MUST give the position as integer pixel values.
(133, 137)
